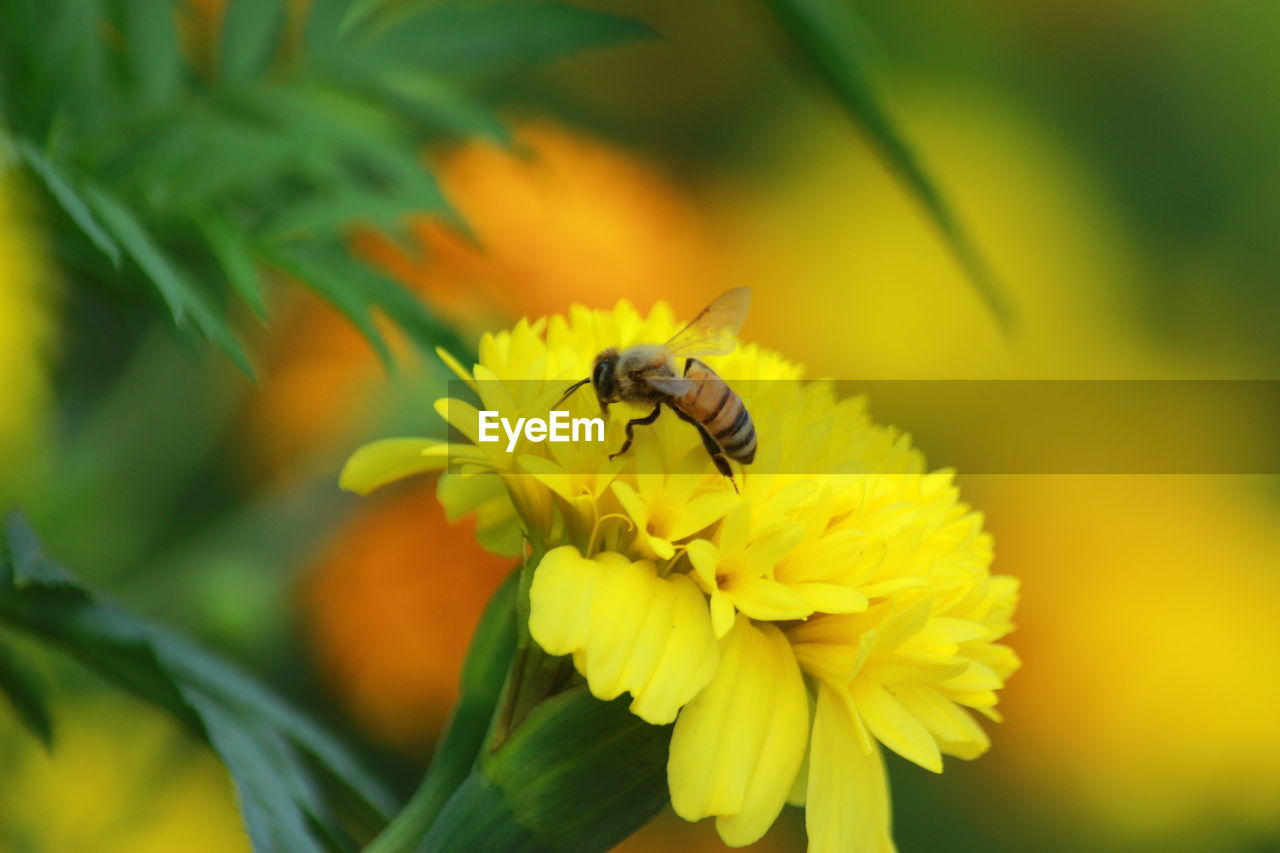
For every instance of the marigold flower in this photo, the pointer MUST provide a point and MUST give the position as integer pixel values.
(819, 615)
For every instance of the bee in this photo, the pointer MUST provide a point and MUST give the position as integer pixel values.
(645, 374)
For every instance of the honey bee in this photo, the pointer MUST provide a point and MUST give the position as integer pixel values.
(645, 374)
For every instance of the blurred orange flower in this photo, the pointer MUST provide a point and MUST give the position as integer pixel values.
(387, 634)
(557, 218)
(667, 833)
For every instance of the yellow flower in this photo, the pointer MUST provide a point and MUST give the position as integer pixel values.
(26, 332)
(122, 778)
(841, 601)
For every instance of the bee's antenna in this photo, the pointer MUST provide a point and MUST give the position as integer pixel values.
(574, 387)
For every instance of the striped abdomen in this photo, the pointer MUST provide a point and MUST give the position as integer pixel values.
(720, 412)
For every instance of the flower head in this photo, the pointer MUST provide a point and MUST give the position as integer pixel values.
(838, 601)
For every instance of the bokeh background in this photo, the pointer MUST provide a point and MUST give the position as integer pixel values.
(1118, 163)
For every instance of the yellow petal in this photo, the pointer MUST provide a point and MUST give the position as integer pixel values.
(895, 726)
(688, 658)
(705, 558)
(737, 747)
(564, 585)
(619, 611)
(834, 664)
(628, 629)
(722, 614)
(974, 678)
(632, 504)
(831, 598)
(771, 548)
(959, 734)
(661, 548)
(700, 512)
(456, 366)
(498, 526)
(904, 668)
(761, 598)
(550, 474)
(847, 808)
(391, 459)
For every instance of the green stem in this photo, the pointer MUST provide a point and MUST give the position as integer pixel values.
(484, 676)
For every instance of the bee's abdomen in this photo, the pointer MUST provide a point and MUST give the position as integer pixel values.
(722, 414)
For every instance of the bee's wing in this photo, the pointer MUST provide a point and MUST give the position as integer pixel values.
(675, 386)
(714, 330)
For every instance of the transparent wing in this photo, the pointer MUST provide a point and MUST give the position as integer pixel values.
(714, 330)
(676, 386)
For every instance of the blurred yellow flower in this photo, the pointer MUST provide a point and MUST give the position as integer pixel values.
(852, 276)
(1151, 617)
(122, 778)
(1105, 735)
(26, 330)
(825, 614)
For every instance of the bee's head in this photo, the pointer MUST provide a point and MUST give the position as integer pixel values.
(604, 377)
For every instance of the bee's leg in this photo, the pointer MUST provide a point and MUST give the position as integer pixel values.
(722, 465)
(632, 424)
(713, 449)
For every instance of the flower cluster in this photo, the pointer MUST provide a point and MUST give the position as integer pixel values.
(790, 629)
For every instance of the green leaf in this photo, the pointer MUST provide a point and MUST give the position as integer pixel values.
(251, 29)
(126, 228)
(200, 158)
(829, 35)
(314, 268)
(234, 256)
(23, 563)
(52, 65)
(355, 288)
(215, 329)
(405, 309)
(351, 153)
(330, 214)
(25, 696)
(493, 36)
(361, 13)
(202, 669)
(324, 23)
(262, 766)
(260, 736)
(576, 775)
(153, 53)
(429, 102)
(66, 195)
(184, 301)
(483, 675)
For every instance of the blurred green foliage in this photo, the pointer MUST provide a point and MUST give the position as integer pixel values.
(260, 737)
(187, 188)
(186, 180)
